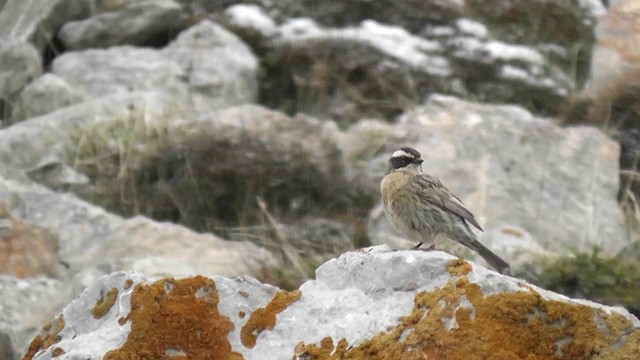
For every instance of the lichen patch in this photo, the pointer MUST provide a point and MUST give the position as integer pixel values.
(104, 304)
(507, 325)
(265, 318)
(171, 316)
(47, 337)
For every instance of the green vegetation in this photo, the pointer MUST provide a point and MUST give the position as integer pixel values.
(590, 275)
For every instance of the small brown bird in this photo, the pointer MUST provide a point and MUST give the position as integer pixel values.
(421, 208)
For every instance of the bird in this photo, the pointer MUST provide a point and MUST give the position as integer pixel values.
(421, 208)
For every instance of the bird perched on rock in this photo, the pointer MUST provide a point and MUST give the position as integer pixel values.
(421, 208)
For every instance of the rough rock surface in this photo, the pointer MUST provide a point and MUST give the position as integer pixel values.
(93, 242)
(375, 303)
(45, 94)
(38, 21)
(142, 23)
(340, 60)
(514, 171)
(206, 67)
(20, 64)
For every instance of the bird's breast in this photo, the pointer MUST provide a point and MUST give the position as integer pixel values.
(393, 185)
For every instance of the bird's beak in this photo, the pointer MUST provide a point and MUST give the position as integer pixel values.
(417, 161)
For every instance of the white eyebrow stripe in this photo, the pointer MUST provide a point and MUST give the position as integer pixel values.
(401, 153)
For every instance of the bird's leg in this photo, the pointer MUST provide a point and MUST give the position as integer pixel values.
(417, 246)
(433, 244)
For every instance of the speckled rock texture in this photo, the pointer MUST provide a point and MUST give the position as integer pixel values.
(371, 304)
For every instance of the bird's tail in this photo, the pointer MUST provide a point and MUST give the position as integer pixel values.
(494, 260)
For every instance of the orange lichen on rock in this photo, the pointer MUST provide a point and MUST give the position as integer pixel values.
(459, 267)
(176, 316)
(104, 304)
(458, 322)
(57, 352)
(47, 337)
(265, 318)
(127, 284)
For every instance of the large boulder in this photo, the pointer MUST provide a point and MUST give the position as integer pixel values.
(535, 187)
(375, 304)
(93, 242)
(45, 94)
(142, 23)
(350, 59)
(20, 64)
(206, 67)
(38, 21)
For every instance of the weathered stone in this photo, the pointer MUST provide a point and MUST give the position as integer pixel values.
(143, 23)
(19, 64)
(206, 67)
(219, 70)
(375, 303)
(26, 250)
(38, 21)
(42, 96)
(25, 144)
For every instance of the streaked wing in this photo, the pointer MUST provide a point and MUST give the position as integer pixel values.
(434, 192)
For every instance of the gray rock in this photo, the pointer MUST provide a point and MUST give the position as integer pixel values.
(19, 64)
(206, 67)
(26, 305)
(569, 26)
(377, 70)
(558, 186)
(94, 242)
(343, 73)
(394, 304)
(38, 21)
(218, 68)
(44, 95)
(119, 70)
(24, 145)
(143, 23)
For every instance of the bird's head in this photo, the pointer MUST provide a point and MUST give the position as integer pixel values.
(405, 158)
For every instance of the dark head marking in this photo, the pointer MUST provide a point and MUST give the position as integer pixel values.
(404, 157)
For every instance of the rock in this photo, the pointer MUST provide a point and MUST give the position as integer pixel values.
(185, 69)
(119, 70)
(513, 171)
(20, 64)
(26, 249)
(346, 74)
(346, 60)
(375, 303)
(93, 242)
(42, 96)
(172, 250)
(38, 21)
(251, 23)
(220, 71)
(377, 70)
(27, 304)
(143, 23)
(25, 145)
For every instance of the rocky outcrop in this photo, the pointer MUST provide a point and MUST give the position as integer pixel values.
(343, 61)
(206, 67)
(89, 243)
(375, 303)
(142, 23)
(20, 65)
